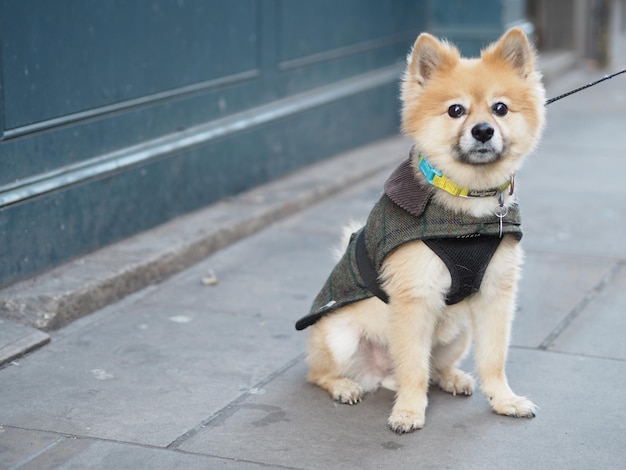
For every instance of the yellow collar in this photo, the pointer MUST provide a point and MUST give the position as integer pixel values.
(439, 180)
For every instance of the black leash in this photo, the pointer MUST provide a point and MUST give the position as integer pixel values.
(606, 77)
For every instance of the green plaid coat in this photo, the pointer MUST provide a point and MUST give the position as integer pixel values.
(404, 213)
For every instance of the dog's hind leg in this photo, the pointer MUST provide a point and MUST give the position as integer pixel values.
(332, 349)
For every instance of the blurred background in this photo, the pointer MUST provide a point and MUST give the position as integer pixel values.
(117, 116)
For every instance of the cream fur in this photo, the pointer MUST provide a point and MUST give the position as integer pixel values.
(417, 339)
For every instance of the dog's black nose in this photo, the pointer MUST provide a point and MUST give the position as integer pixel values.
(482, 132)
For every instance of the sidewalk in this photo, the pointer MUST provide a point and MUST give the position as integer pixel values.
(188, 375)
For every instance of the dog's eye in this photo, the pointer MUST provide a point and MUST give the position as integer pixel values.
(500, 109)
(456, 110)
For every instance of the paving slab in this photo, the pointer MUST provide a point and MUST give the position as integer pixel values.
(264, 276)
(34, 450)
(17, 339)
(297, 425)
(143, 374)
(599, 329)
(554, 285)
(564, 221)
(107, 455)
(285, 265)
(20, 446)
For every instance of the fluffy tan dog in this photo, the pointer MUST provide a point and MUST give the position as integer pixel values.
(472, 121)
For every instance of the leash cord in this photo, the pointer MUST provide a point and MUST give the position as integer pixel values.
(606, 77)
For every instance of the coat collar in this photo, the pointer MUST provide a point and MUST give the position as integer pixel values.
(412, 194)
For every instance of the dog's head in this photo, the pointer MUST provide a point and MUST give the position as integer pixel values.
(474, 119)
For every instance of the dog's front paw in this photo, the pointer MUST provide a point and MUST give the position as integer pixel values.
(515, 406)
(403, 421)
(347, 391)
(456, 382)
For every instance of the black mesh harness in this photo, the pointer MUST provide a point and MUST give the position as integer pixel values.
(466, 259)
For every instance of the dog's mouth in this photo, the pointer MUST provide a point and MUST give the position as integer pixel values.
(478, 155)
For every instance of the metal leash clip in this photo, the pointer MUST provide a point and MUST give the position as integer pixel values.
(501, 212)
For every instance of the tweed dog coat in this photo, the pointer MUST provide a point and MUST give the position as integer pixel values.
(404, 213)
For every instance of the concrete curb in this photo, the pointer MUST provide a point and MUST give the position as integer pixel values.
(73, 290)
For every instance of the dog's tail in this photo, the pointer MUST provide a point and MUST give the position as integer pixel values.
(347, 232)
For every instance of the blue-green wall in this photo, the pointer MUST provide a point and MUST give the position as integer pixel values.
(472, 23)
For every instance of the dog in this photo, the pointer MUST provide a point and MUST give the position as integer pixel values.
(438, 262)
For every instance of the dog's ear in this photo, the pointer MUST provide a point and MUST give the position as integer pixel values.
(515, 49)
(429, 55)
